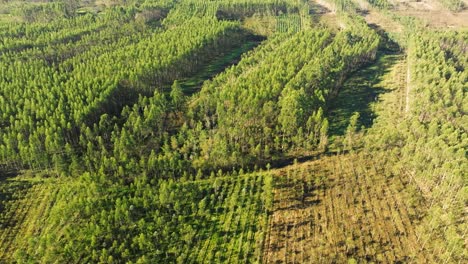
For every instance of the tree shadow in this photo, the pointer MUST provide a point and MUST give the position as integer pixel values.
(361, 90)
(359, 93)
(191, 79)
(11, 189)
(193, 83)
(6, 174)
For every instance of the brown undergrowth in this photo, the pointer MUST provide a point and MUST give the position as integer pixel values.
(343, 208)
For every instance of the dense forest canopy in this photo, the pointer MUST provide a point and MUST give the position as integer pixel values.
(157, 130)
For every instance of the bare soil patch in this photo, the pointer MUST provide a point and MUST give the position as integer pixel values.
(432, 12)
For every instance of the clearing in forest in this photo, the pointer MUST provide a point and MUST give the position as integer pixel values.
(359, 94)
(432, 12)
(341, 208)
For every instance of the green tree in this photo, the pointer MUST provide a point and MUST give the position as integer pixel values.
(177, 95)
(351, 130)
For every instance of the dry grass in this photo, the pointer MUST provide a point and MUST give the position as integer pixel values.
(323, 14)
(432, 12)
(341, 208)
(383, 21)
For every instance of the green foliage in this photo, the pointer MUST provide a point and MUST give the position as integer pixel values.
(177, 95)
(92, 80)
(381, 4)
(351, 130)
(288, 23)
(45, 12)
(352, 127)
(91, 95)
(273, 97)
(453, 5)
(430, 146)
(216, 220)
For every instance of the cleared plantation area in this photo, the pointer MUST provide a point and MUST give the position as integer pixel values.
(342, 208)
(23, 201)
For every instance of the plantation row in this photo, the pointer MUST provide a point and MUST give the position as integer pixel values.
(23, 204)
(438, 123)
(235, 10)
(302, 102)
(221, 219)
(144, 195)
(37, 122)
(159, 175)
(53, 83)
(46, 12)
(215, 132)
(269, 16)
(149, 10)
(427, 141)
(273, 101)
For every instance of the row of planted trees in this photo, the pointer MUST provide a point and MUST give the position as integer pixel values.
(219, 219)
(429, 145)
(146, 193)
(273, 102)
(436, 137)
(44, 105)
(52, 83)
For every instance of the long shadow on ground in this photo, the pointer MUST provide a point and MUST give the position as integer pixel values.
(192, 84)
(358, 94)
(11, 190)
(361, 89)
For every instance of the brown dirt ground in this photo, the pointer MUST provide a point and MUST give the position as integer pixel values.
(432, 12)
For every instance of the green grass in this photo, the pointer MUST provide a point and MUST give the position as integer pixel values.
(358, 94)
(193, 83)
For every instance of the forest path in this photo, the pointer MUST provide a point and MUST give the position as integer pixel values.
(323, 14)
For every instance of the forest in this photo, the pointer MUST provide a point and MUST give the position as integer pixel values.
(233, 131)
